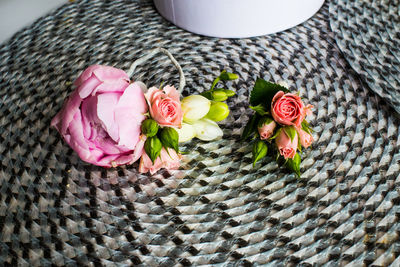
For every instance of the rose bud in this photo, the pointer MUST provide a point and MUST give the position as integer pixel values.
(169, 138)
(218, 111)
(165, 106)
(219, 95)
(287, 147)
(101, 119)
(149, 127)
(287, 109)
(194, 108)
(229, 93)
(207, 130)
(306, 139)
(167, 159)
(186, 132)
(266, 128)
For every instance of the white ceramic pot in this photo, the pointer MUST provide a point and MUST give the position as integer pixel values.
(237, 18)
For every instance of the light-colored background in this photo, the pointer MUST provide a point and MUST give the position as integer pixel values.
(16, 14)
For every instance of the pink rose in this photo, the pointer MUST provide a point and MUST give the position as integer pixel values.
(101, 119)
(165, 106)
(287, 148)
(267, 129)
(169, 160)
(287, 109)
(306, 139)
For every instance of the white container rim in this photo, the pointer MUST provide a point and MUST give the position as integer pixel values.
(237, 18)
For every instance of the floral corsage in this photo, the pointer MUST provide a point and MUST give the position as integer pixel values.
(109, 120)
(278, 125)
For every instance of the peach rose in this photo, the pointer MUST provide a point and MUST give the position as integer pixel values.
(169, 160)
(288, 109)
(287, 148)
(165, 106)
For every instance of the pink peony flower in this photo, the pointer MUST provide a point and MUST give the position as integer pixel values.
(169, 160)
(287, 148)
(165, 106)
(306, 139)
(101, 119)
(287, 109)
(267, 130)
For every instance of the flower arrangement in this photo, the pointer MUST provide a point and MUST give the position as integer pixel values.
(279, 124)
(111, 121)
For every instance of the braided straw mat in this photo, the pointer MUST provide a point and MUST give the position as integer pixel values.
(368, 34)
(57, 210)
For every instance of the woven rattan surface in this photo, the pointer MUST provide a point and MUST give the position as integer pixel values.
(57, 210)
(368, 34)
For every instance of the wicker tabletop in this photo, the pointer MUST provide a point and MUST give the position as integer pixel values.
(217, 209)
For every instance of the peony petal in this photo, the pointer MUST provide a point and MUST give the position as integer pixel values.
(89, 115)
(133, 97)
(108, 73)
(108, 146)
(129, 115)
(67, 113)
(88, 87)
(111, 86)
(106, 104)
(139, 149)
(77, 140)
(86, 74)
(142, 86)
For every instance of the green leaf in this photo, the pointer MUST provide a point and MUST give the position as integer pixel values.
(298, 143)
(215, 83)
(259, 109)
(306, 127)
(291, 132)
(207, 94)
(260, 150)
(153, 147)
(263, 92)
(250, 127)
(227, 76)
(264, 121)
(276, 133)
(294, 164)
(169, 137)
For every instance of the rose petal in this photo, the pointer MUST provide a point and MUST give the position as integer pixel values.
(172, 92)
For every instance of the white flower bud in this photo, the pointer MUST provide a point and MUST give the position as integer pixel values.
(186, 132)
(194, 108)
(207, 130)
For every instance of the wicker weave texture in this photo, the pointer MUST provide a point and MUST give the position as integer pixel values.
(57, 210)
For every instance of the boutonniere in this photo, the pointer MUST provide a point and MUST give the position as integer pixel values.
(278, 125)
(111, 120)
